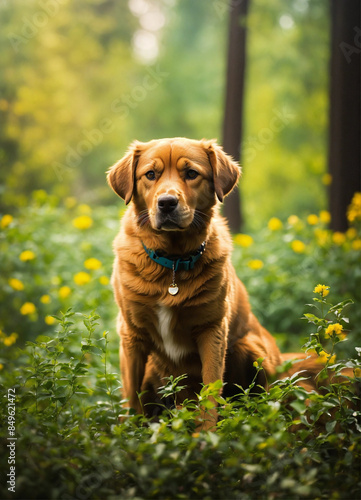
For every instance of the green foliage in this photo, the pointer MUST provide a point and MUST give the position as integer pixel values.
(69, 264)
(280, 443)
(70, 443)
(280, 264)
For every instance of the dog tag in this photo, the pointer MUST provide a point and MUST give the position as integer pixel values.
(173, 289)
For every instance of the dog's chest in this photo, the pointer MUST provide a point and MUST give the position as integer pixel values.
(173, 346)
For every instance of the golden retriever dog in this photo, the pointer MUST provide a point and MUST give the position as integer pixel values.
(182, 308)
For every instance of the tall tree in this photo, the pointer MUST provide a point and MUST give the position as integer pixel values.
(344, 135)
(232, 124)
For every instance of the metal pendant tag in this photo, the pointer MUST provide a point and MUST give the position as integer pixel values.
(173, 289)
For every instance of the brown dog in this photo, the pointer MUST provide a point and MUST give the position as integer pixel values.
(183, 310)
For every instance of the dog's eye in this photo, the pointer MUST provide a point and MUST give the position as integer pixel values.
(191, 174)
(150, 175)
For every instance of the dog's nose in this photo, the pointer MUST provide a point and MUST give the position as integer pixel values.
(167, 203)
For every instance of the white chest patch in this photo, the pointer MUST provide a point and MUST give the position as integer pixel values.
(174, 350)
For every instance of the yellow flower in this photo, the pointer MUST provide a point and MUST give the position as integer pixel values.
(82, 278)
(325, 216)
(243, 240)
(326, 179)
(335, 329)
(351, 233)
(1, 366)
(338, 238)
(92, 264)
(323, 290)
(84, 209)
(8, 341)
(356, 245)
(45, 299)
(83, 222)
(293, 220)
(255, 264)
(27, 308)
(6, 220)
(27, 255)
(274, 224)
(322, 236)
(312, 219)
(49, 320)
(16, 284)
(323, 357)
(64, 292)
(298, 246)
(104, 280)
(354, 209)
(70, 202)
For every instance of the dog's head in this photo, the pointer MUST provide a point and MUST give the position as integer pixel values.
(173, 182)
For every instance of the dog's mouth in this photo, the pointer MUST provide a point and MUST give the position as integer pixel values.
(169, 223)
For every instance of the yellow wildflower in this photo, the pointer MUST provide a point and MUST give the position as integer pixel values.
(16, 284)
(84, 209)
(312, 219)
(356, 245)
(27, 308)
(323, 290)
(354, 209)
(255, 264)
(323, 357)
(49, 320)
(243, 240)
(338, 238)
(104, 280)
(82, 278)
(92, 264)
(322, 236)
(293, 220)
(27, 255)
(8, 341)
(298, 246)
(335, 329)
(83, 222)
(45, 299)
(351, 233)
(64, 292)
(1, 366)
(326, 179)
(6, 220)
(70, 202)
(325, 216)
(274, 224)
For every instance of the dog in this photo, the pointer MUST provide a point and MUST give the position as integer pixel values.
(182, 308)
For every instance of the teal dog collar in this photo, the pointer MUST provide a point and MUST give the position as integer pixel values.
(176, 264)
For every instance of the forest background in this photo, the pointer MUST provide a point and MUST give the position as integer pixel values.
(81, 80)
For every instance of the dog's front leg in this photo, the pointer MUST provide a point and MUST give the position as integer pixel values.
(212, 349)
(133, 358)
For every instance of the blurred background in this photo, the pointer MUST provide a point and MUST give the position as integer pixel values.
(80, 80)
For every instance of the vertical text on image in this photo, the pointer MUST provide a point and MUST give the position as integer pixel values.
(11, 440)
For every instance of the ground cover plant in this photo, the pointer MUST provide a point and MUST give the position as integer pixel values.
(60, 381)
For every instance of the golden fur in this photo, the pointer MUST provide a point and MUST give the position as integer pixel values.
(207, 330)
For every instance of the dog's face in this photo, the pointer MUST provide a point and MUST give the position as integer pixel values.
(173, 182)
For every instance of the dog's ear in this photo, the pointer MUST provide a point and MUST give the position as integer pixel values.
(121, 176)
(226, 170)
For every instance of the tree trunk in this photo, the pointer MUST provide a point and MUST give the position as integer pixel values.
(344, 134)
(232, 124)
